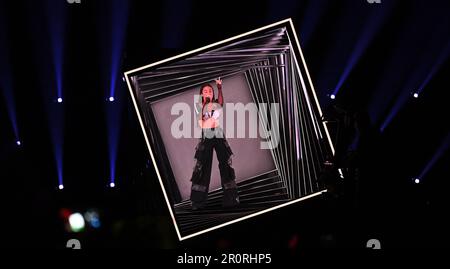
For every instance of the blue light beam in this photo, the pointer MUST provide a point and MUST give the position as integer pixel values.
(440, 151)
(56, 15)
(112, 30)
(6, 83)
(441, 60)
(404, 96)
(371, 28)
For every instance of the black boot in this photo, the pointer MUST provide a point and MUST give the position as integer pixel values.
(197, 206)
(198, 199)
(230, 198)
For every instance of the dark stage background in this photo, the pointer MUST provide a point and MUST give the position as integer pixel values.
(375, 55)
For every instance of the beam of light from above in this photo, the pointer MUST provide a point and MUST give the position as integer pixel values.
(372, 27)
(402, 57)
(402, 99)
(56, 125)
(6, 83)
(113, 111)
(428, 57)
(441, 60)
(439, 152)
(334, 57)
(56, 23)
(383, 93)
(112, 35)
(47, 30)
(119, 21)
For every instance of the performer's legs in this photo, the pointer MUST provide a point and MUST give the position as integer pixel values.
(202, 174)
(227, 174)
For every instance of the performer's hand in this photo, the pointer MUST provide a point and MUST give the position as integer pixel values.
(209, 123)
(218, 82)
(215, 123)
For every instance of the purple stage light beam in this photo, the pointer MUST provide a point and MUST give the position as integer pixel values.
(372, 27)
(113, 33)
(441, 60)
(439, 152)
(402, 99)
(6, 83)
(56, 15)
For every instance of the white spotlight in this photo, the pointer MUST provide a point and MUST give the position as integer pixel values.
(111, 99)
(416, 95)
(60, 100)
(76, 222)
(18, 143)
(333, 96)
(112, 184)
(417, 181)
(61, 186)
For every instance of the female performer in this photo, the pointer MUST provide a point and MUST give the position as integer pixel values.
(212, 139)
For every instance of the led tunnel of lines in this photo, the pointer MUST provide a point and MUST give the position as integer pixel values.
(274, 75)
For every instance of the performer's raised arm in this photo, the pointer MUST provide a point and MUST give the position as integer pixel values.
(219, 88)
